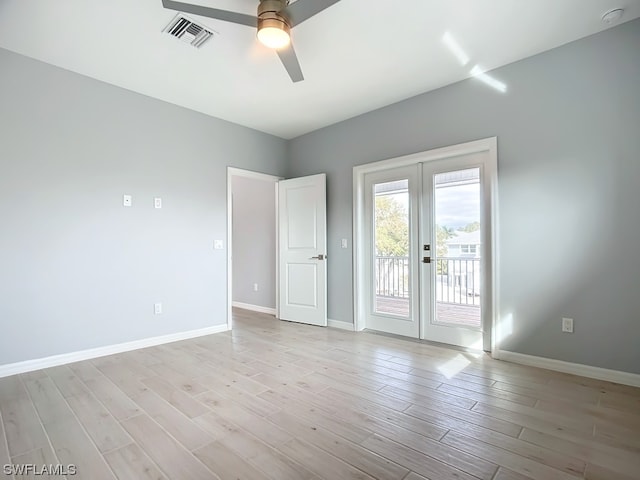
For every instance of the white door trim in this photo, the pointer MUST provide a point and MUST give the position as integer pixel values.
(489, 145)
(238, 172)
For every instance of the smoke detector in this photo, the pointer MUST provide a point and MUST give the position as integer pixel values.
(613, 16)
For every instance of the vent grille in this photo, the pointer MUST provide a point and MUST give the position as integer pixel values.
(188, 31)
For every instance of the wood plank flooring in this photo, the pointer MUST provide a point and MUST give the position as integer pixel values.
(277, 400)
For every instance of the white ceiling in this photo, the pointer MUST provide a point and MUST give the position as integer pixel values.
(357, 55)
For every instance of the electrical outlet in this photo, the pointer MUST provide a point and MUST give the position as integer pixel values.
(255, 287)
(567, 325)
(157, 309)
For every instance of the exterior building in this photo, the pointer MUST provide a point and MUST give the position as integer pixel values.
(460, 268)
(464, 244)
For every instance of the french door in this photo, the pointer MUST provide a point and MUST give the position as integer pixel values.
(454, 247)
(428, 240)
(392, 267)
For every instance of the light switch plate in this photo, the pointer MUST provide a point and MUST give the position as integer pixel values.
(343, 243)
(157, 202)
(218, 245)
(127, 200)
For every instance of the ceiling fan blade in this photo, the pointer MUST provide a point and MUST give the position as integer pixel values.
(290, 61)
(224, 15)
(303, 10)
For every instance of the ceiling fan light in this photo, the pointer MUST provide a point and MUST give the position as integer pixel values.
(273, 33)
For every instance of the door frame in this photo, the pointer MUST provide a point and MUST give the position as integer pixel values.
(238, 172)
(361, 283)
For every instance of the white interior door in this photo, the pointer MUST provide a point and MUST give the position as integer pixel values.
(302, 250)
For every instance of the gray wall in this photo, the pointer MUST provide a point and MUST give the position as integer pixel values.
(77, 269)
(254, 241)
(569, 178)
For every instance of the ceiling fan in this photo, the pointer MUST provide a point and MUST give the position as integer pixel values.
(274, 21)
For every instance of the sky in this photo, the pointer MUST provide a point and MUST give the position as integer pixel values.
(457, 206)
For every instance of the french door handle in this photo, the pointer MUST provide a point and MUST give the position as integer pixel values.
(426, 259)
(319, 257)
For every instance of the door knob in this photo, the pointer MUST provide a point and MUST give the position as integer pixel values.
(319, 257)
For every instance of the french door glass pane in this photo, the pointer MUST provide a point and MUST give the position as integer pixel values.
(457, 255)
(391, 252)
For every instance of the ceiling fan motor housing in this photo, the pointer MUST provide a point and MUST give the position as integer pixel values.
(269, 15)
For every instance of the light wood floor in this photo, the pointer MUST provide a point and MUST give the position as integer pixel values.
(287, 401)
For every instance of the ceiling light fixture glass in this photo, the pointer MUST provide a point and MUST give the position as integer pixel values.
(273, 32)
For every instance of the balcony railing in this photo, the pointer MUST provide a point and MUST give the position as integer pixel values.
(457, 279)
(392, 276)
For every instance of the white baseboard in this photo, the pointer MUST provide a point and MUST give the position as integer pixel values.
(255, 308)
(340, 324)
(615, 376)
(55, 360)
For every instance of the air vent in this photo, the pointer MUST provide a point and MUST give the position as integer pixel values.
(188, 31)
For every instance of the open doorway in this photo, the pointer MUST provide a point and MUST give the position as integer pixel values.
(252, 241)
